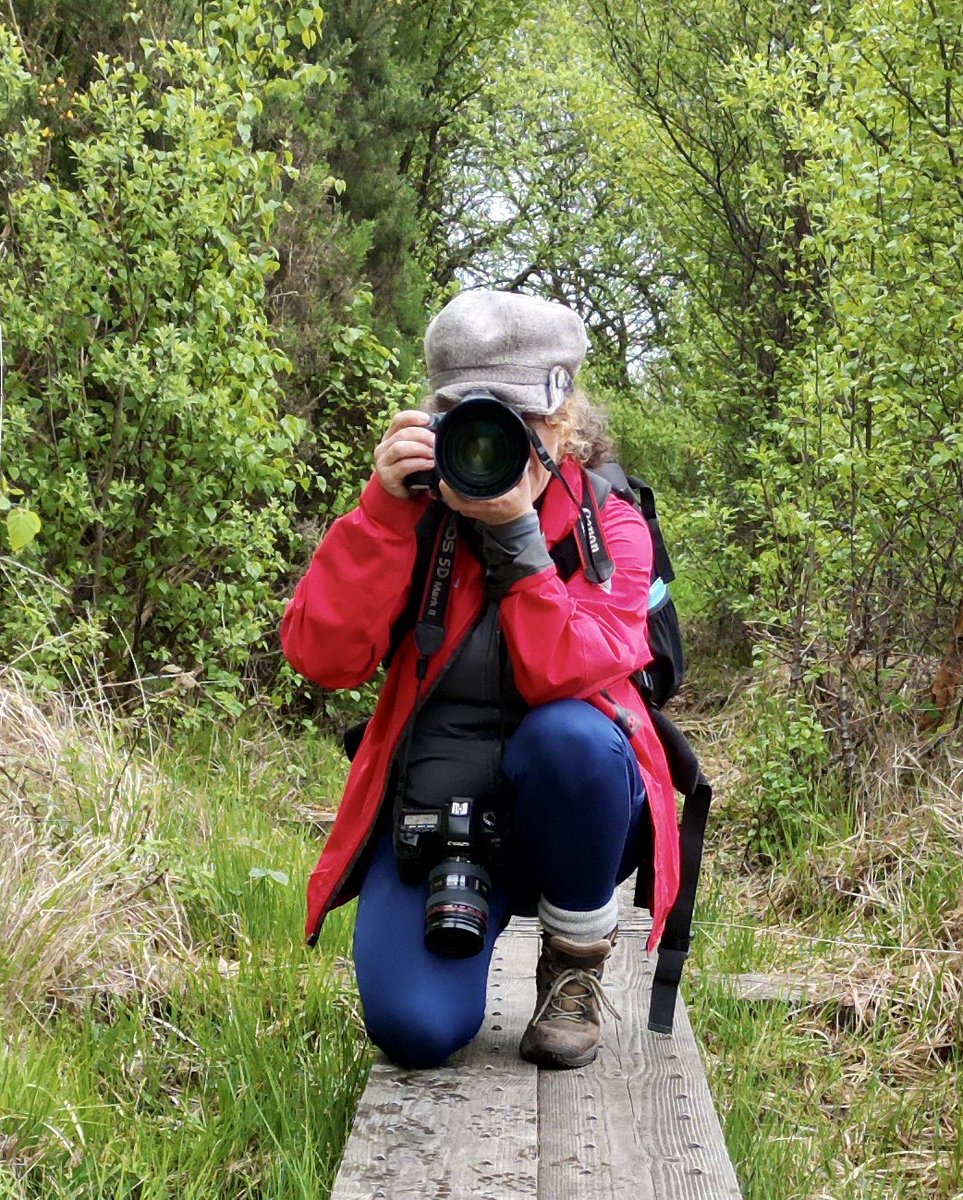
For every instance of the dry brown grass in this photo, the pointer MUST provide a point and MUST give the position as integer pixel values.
(858, 936)
(84, 903)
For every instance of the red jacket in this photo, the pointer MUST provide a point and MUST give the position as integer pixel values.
(567, 640)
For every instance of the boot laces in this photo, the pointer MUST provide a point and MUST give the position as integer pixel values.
(552, 1004)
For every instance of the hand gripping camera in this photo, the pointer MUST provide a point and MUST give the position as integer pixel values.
(482, 448)
(452, 842)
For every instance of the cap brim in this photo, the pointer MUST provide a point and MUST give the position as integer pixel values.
(531, 399)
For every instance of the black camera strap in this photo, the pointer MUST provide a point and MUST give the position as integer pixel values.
(430, 626)
(596, 562)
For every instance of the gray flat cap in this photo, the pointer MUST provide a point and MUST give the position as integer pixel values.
(524, 350)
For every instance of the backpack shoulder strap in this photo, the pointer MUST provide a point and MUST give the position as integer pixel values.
(646, 501)
(615, 478)
(602, 483)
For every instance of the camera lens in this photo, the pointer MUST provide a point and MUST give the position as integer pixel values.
(479, 449)
(456, 917)
(482, 448)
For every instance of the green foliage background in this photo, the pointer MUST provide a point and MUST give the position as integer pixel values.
(225, 225)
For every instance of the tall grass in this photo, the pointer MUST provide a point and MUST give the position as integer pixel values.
(850, 1087)
(164, 1031)
(166, 1034)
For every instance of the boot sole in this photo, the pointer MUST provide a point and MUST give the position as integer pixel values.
(556, 1062)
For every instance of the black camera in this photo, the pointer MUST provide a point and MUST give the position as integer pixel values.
(481, 449)
(452, 842)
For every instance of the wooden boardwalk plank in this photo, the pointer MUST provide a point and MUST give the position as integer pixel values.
(466, 1131)
(785, 987)
(638, 1122)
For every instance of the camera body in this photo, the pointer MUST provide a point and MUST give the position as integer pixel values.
(482, 448)
(452, 843)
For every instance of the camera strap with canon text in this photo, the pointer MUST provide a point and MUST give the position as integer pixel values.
(594, 555)
(430, 626)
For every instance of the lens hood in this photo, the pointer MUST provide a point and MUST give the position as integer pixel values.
(481, 447)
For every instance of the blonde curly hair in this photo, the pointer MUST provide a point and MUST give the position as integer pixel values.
(582, 431)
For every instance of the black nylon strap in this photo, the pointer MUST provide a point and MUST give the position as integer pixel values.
(430, 627)
(426, 534)
(567, 554)
(596, 562)
(594, 556)
(683, 764)
(663, 564)
(676, 938)
(637, 491)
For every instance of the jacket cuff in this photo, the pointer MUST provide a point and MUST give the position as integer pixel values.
(398, 516)
(513, 552)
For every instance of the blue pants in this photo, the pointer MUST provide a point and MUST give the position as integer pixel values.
(578, 803)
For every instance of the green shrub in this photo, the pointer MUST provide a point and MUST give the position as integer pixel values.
(784, 779)
(142, 420)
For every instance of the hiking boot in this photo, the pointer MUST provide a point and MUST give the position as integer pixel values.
(564, 1030)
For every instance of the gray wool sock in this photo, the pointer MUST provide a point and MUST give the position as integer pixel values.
(579, 926)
